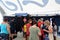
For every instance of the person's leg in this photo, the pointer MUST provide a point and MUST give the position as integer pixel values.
(46, 38)
(13, 33)
(42, 37)
(25, 36)
(0, 37)
(54, 38)
(5, 37)
(39, 37)
(12, 37)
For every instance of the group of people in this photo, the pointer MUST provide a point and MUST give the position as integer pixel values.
(32, 29)
(5, 32)
(39, 30)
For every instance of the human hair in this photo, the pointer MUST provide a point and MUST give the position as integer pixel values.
(34, 22)
(29, 20)
(47, 22)
(39, 20)
(5, 19)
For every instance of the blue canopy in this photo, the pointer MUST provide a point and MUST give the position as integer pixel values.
(21, 14)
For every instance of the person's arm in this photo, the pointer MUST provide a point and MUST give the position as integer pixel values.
(46, 30)
(50, 29)
(55, 27)
(8, 28)
(39, 32)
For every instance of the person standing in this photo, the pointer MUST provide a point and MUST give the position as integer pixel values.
(40, 25)
(12, 28)
(24, 19)
(5, 30)
(48, 30)
(34, 32)
(54, 30)
(24, 31)
(27, 28)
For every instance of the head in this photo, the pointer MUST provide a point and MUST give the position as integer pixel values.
(12, 19)
(46, 23)
(30, 21)
(24, 20)
(34, 22)
(39, 20)
(54, 23)
(5, 20)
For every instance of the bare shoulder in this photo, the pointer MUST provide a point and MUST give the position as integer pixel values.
(50, 26)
